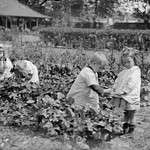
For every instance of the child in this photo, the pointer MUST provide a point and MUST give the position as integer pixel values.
(127, 87)
(86, 88)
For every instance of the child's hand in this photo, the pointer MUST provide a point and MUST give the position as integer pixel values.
(118, 94)
(108, 91)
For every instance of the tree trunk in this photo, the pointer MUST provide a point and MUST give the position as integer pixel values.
(69, 14)
(95, 13)
(96, 6)
(94, 22)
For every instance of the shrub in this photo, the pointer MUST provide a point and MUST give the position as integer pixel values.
(96, 39)
(45, 106)
(5, 36)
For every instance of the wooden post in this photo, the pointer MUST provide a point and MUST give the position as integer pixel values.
(10, 18)
(23, 24)
(37, 22)
(6, 23)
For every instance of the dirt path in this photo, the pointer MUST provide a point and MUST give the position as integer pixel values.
(14, 139)
(140, 139)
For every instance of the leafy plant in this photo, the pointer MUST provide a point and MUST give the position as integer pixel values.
(45, 106)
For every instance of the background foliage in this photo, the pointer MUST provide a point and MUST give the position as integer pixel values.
(92, 38)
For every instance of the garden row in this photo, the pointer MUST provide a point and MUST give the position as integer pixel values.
(76, 60)
(96, 39)
(93, 39)
(45, 106)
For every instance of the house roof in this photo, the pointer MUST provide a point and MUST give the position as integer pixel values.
(14, 8)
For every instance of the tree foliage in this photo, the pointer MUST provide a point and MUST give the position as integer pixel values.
(102, 8)
(142, 10)
(64, 9)
(37, 5)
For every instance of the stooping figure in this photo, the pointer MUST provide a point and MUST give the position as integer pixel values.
(5, 64)
(127, 87)
(86, 89)
(25, 69)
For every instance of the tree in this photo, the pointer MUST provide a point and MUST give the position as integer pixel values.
(137, 8)
(142, 10)
(64, 9)
(67, 9)
(38, 5)
(60, 9)
(99, 8)
(76, 7)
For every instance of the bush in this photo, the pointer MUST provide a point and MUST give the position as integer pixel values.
(45, 106)
(5, 36)
(96, 39)
(88, 25)
(133, 26)
(92, 39)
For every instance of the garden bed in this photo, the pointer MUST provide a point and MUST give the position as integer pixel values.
(25, 139)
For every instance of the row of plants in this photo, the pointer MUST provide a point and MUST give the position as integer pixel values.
(46, 107)
(5, 36)
(76, 60)
(96, 39)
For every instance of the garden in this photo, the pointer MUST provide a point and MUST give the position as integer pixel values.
(42, 112)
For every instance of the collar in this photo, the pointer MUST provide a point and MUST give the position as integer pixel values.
(91, 68)
(134, 67)
(3, 59)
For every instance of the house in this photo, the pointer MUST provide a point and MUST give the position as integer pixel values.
(13, 13)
